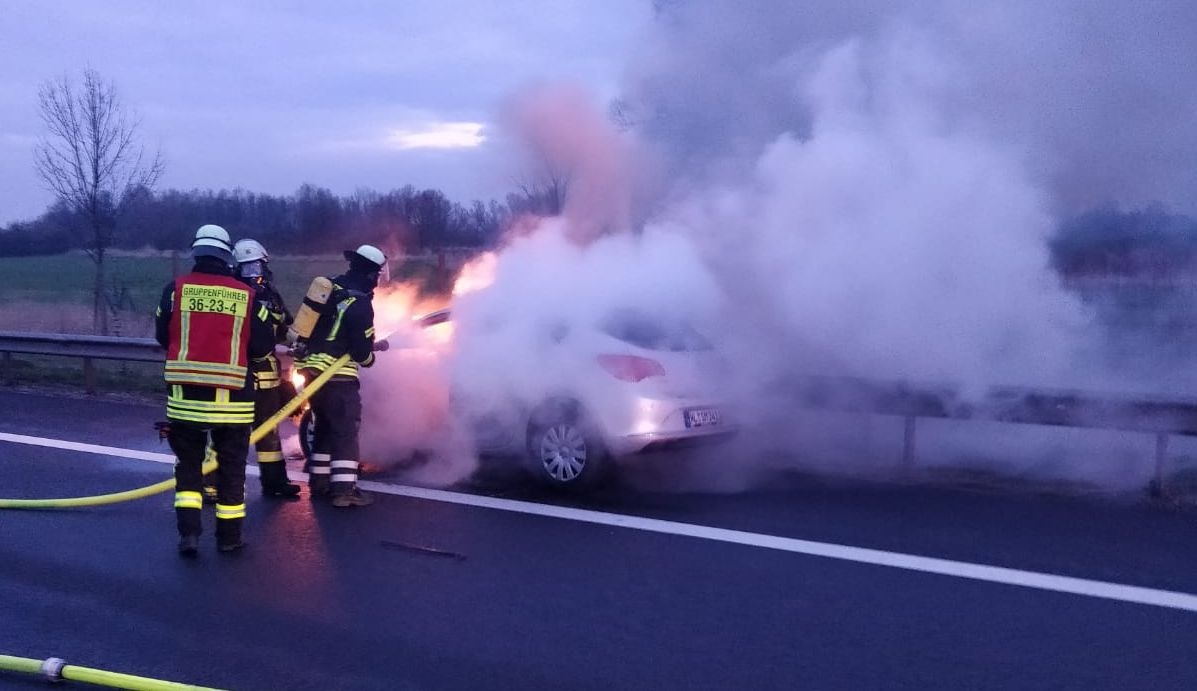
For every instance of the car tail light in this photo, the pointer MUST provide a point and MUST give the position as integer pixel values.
(631, 367)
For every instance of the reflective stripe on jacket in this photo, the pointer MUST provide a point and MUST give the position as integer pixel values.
(345, 327)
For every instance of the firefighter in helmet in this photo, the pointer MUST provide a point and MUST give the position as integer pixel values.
(253, 268)
(345, 326)
(205, 323)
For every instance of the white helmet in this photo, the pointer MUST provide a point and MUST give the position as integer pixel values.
(212, 241)
(370, 253)
(248, 251)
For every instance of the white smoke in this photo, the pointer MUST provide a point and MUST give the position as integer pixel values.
(851, 192)
(885, 243)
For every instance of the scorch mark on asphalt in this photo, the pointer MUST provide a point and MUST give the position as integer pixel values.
(910, 562)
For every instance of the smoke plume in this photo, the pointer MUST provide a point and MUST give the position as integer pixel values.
(860, 188)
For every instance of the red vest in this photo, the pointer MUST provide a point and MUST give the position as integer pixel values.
(209, 332)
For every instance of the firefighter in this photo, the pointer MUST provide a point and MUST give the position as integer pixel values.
(205, 324)
(345, 326)
(253, 268)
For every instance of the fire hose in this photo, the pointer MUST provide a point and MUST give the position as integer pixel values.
(55, 669)
(166, 485)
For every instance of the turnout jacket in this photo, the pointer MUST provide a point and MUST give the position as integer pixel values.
(206, 323)
(269, 307)
(346, 326)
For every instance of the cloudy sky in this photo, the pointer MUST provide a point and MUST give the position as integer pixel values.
(269, 95)
(1097, 97)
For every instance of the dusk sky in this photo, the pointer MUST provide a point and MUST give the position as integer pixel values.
(267, 95)
(1096, 98)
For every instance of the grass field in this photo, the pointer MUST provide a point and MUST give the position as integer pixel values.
(54, 293)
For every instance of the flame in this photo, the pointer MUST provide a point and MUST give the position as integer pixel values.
(477, 274)
(297, 380)
(440, 335)
(394, 306)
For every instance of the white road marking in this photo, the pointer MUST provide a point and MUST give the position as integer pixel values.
(910, 562)
(88, 448)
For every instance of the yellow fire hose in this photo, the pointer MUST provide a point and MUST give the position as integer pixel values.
(55, 669)
(166, 485)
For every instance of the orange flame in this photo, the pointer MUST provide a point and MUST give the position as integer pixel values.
(477, 274)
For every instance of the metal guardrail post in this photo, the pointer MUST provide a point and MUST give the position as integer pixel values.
(87, 348)
(908, 443)
(1159, 483)
(89, 375)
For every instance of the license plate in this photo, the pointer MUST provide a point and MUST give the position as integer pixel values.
(702, 417)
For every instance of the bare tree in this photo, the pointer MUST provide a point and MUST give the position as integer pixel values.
(544, 190)
(93, 161)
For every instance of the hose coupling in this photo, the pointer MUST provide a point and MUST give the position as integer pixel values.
(51, 668)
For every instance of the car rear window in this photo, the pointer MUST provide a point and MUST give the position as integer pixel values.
(644, 331)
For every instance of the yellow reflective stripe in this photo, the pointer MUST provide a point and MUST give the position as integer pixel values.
(204, 373)
(368, 361)
(270, 456)
(189, 500)
(263, 313)
(370, 331)
(211, 406)
(235, 345)
(217, 380)
(227, 511)
(349, 369)
(215, 405)
(184, 335)
(342, 308)
(217, 367)
(176, 391)
(222, 397)
(323, 360)
(214, 418)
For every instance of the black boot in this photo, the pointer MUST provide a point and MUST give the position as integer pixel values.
(228, 535)
(189, 525)
(188, 545)
(275, 482)
(283, 491)
(318, 485)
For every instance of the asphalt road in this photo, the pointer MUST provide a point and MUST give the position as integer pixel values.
(434, 593)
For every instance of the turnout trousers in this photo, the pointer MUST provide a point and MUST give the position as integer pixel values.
(269, 448)
(189, 442)
(337, 408)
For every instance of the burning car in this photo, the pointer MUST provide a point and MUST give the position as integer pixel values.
(627, 385)
(566, 385)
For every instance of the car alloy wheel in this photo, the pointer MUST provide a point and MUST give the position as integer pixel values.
(563, 452)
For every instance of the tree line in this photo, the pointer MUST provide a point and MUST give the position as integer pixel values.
(1109, 241)
(313, 220)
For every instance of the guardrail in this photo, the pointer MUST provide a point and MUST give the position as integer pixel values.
(1158, 415)
(89, 348)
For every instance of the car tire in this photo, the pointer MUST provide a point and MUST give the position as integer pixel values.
(564, 449)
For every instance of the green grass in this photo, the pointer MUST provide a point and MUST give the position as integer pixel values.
(139, 377)
(54, 294)
(68, 278)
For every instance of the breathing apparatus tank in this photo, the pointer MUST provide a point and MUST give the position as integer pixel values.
(309, 312)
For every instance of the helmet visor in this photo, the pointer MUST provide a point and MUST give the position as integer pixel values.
(254, 269)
